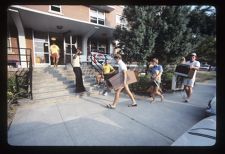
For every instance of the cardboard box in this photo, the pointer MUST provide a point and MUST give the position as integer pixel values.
(191, 73)
(184, 70)
(118, 79)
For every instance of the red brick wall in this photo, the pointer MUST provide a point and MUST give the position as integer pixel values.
(14, 43)
(80, 12)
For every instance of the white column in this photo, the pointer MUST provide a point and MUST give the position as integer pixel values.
(84, 43)
(84, 49)
(110, 47)
(21, 35)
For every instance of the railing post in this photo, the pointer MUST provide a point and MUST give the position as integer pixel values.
(30, 75)
(17, 84)
(19, 56)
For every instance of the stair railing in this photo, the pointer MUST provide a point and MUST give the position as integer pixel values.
(96, 62)
(23, 77)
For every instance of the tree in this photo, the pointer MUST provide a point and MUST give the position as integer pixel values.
(174, 39)
(203, 24)
(155, 31)
(137, 41)
(166, 32)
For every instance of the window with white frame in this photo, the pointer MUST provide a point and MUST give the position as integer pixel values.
(97, 16)
(120, 20)
(55, 8)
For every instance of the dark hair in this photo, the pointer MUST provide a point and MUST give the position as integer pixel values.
(117, 56)
(77, 50)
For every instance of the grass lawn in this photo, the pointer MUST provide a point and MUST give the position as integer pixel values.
(205, 75)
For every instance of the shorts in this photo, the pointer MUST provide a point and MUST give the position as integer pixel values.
(55, 55)
(189, 82)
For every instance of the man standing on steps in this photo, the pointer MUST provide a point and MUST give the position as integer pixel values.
(77, 71)
(189, 83)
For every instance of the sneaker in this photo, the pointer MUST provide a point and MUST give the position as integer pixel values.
(186, 100)
(105, 93)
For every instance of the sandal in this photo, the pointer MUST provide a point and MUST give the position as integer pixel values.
(110, 106)
(132, 105)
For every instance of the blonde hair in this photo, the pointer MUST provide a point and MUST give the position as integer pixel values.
(182, 60)
(155, 60)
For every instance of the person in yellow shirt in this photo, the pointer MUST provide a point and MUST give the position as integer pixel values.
(54, 54)
(107, 72)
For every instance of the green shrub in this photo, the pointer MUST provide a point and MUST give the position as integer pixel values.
(11, 87)
(142, 84)
(167, 77)
(12, 93)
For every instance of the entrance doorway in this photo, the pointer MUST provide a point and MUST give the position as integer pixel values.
(41, 55)
(70, 45)
(58, 40)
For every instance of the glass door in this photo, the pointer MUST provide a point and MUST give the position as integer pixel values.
(70, 43)
(41, 49)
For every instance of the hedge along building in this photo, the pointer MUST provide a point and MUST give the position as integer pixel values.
(87, 27)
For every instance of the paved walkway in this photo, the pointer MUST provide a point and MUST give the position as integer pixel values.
(85, 121)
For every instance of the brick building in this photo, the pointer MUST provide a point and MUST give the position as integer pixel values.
(88, 27)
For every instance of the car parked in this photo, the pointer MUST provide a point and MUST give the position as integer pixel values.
(204, 67)
(201, 134)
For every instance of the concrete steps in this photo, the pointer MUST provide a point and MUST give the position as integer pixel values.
(53, 88)
(54, 84)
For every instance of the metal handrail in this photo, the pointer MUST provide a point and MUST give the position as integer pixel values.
(99, 69)
(27, 75)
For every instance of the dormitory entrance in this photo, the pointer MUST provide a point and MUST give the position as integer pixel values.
(58, 40)
(43, 41)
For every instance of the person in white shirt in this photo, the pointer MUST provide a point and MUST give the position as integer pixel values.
(122, 68)
(189, 83)
(78, 72)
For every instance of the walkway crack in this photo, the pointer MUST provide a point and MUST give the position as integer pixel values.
(65, 124)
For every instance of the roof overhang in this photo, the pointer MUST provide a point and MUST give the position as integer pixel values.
(107, 8)
(47, 22)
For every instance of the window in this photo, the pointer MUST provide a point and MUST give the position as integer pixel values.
(123, 22)
(9, 44)
(55, 8)
(120, 20)
(97, 16)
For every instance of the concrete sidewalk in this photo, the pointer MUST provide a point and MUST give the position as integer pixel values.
(85, 121)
